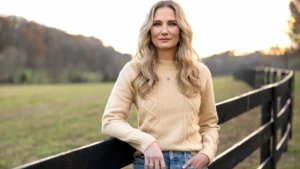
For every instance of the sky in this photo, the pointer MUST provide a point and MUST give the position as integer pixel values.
(218, 25)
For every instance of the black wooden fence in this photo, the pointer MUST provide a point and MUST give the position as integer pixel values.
(274, 93)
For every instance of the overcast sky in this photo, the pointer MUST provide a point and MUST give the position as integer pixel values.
(218, 25)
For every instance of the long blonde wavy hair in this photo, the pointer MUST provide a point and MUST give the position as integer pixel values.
(188, 77)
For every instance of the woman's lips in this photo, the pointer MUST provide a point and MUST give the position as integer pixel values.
(164, 39)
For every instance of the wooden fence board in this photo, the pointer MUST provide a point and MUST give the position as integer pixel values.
(238, 152)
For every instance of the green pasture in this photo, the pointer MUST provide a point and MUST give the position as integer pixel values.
(41, 120)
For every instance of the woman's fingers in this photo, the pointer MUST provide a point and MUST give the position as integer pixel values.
(146, 163)
(198, 161)
(155, 163)
(187, 164)
(162, 163)
(153, 157)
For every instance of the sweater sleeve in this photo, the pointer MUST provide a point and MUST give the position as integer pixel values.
(208, 118)
(117, 110)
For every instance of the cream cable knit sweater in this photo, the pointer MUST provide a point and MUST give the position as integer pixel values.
(174, 121)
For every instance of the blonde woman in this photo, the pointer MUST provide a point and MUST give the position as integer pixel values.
(173, 94)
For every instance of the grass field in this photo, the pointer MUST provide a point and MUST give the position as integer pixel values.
(41, 120)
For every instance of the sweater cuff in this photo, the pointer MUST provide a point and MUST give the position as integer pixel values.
(146, 142)
(143, 141)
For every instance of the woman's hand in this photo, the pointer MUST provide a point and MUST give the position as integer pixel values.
(153, 157)
(199, 161)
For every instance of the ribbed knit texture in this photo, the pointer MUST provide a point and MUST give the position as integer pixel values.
(174, 121)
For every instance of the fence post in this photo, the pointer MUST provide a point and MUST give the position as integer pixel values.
(265, 150)
(266, 112)
(291, 96)
(283, 99)
(274, 126)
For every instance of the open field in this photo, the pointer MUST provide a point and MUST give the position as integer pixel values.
(41, 120)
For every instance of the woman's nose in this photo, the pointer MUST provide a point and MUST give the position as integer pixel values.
(164, 30)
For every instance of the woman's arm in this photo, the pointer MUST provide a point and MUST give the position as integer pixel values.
(117, 110)
(208, 118)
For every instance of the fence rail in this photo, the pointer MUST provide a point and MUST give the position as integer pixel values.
(274, 93)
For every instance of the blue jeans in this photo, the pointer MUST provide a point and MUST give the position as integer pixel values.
(173, 160)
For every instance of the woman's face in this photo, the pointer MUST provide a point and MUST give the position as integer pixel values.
(165, 31)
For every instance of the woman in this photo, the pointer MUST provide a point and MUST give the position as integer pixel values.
(173, 94)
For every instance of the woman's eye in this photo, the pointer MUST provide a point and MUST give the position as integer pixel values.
(156, 24)
(173, 24)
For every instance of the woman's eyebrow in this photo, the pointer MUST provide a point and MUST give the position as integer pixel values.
(157, 20)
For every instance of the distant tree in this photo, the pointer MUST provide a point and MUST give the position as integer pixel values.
(294, 23)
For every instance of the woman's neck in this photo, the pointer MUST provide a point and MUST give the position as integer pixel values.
(166, 54)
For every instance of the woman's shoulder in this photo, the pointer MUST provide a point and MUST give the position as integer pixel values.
(203, 69)
(130, 68)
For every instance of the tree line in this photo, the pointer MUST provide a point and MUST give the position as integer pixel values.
(227, 63)
(33, 53)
